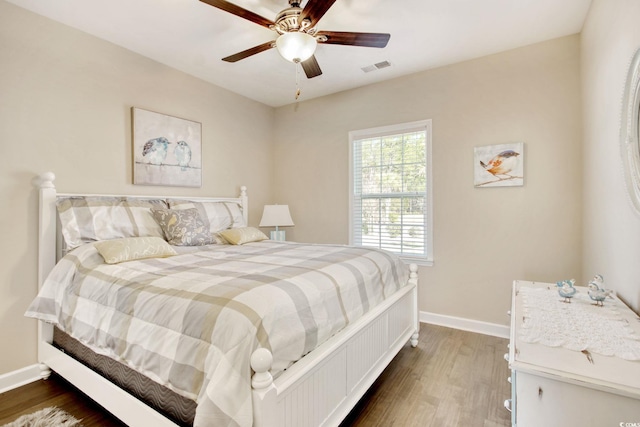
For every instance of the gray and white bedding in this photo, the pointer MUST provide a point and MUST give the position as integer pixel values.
(191, 321)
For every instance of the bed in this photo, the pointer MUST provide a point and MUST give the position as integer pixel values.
(254, 361)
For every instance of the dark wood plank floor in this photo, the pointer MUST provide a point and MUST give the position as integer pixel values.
(54, 392)
(453, 378)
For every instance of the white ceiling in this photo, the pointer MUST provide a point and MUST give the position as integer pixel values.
(192, 36)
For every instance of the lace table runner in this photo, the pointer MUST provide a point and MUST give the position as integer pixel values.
(578, 325)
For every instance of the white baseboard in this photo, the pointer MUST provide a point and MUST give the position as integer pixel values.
(470, 325)
(18, 378)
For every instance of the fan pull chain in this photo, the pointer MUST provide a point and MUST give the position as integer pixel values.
(298, 90)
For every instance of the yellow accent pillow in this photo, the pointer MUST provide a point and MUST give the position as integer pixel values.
(133, 248)
(242, 235)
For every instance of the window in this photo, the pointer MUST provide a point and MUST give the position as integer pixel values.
(391, 190)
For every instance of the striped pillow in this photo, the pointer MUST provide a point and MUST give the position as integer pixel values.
(86, 219)
(217, 216)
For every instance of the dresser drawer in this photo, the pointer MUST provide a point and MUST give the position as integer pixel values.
(556, 403)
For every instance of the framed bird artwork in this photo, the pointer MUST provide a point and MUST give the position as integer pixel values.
(499, 165)
(167, 150)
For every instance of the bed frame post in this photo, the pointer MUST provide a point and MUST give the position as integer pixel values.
(46, 248)
(47, 226)
(245, 204)
(413, 279)
(264, 392)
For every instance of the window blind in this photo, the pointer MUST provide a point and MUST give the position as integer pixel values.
(390, 204)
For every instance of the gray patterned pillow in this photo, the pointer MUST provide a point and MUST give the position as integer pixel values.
(183, 227)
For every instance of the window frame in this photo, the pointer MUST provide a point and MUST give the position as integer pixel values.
(421, 125)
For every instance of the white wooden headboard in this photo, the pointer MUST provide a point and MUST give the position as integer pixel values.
(49, 236)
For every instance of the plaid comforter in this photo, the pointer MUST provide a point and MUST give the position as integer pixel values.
(191, 321)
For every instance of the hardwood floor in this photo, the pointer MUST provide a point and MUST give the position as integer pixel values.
(54, 392)
(453, 378)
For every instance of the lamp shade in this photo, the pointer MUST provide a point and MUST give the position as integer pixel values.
(276, 216)
(296, 46)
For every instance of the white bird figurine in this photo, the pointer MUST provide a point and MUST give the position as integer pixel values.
(597, 292)
(566, 289)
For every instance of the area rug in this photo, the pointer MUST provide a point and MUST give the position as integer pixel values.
(47, 417)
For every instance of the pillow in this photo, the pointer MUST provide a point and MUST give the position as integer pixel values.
(216, 215)
(240, 236)
(219, 240)
(85, 219)
(183, 227)
(133, 248)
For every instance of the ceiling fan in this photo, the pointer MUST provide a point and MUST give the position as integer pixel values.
(297, 33)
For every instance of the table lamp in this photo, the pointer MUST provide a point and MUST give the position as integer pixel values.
(276, 216)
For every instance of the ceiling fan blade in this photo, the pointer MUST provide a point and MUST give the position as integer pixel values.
(249, 52)
(356, 39)
(311, 67)
(314, 10)
(238, 11)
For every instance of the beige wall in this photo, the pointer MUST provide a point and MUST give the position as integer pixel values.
(610, 38)
(484, 238)
(65, 100)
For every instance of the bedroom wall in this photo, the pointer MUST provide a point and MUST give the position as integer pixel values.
(65, 107)
(483, 238)
(610, 37)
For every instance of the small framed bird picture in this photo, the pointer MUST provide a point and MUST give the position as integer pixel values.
(499, 165)
(167, 150)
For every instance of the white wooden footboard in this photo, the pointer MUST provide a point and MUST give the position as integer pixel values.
(318, 390)
(321, 388)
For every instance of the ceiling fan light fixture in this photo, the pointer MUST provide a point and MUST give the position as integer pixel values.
(296, 46)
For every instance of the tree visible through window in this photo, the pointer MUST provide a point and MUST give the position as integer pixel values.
(390, 181)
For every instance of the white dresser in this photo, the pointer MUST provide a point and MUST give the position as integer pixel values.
(554, 385)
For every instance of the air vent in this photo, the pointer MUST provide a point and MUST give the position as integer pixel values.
(378, 66)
